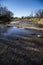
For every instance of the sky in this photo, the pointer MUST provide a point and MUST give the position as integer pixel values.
(22, 7)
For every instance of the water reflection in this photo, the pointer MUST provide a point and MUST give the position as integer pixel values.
(9, 31)
(15, 30)
(23, 32)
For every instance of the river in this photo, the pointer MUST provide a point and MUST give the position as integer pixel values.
(23, 46)
(9, 31)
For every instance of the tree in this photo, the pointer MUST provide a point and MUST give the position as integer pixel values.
(5, 14)
(39, 13)
(22, 17)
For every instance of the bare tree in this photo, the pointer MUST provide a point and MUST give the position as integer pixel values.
(5, 14)
(39, 14)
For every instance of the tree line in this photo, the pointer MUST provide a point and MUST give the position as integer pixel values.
(38, 14)
(6, 15)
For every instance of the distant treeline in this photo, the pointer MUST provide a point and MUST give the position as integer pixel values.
(7, 16)
(38, 15)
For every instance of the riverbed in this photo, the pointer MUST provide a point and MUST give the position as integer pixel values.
(21, 46)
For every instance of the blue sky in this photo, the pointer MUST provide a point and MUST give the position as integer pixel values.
(22, 7)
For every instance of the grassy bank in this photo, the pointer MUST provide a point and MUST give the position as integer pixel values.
(39, 21)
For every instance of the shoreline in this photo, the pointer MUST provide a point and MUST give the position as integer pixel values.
(33, 28)
(25, 27)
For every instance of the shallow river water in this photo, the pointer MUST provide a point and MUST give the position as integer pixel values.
(19, 51)
(9, 31)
